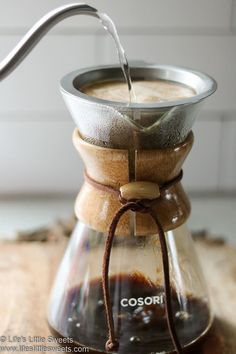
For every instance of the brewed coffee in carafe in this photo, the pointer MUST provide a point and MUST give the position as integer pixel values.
(129, 281)
(136, 290)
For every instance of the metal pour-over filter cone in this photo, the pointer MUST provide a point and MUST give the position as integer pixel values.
(123, 125)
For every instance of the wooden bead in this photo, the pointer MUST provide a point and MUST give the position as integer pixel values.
(140, 190)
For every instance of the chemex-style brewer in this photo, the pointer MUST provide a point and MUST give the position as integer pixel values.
(130, 281)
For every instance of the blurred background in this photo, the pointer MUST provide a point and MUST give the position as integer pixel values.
(40, 172)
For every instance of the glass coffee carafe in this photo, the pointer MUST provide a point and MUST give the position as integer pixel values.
(110, 292)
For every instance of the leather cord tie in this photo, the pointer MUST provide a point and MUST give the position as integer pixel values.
(141, 206)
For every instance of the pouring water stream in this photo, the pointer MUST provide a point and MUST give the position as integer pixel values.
(110, 27)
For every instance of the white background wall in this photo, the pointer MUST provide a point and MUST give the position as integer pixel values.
(36, 153)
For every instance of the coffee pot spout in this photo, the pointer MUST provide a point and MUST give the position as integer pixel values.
(39, 30)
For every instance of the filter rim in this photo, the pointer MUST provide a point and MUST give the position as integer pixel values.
(202, 83)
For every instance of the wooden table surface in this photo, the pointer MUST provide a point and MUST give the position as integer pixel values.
(27, 270)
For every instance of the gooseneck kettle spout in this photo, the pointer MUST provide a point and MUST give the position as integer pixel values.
(33, 36)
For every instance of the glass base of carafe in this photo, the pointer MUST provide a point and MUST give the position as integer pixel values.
(191, 348)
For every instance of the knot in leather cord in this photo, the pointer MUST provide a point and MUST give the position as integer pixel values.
(111, 345)
(138, 205)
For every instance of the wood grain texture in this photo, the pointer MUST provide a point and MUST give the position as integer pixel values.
(96, 206)
(26, 273)
(27, 270)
